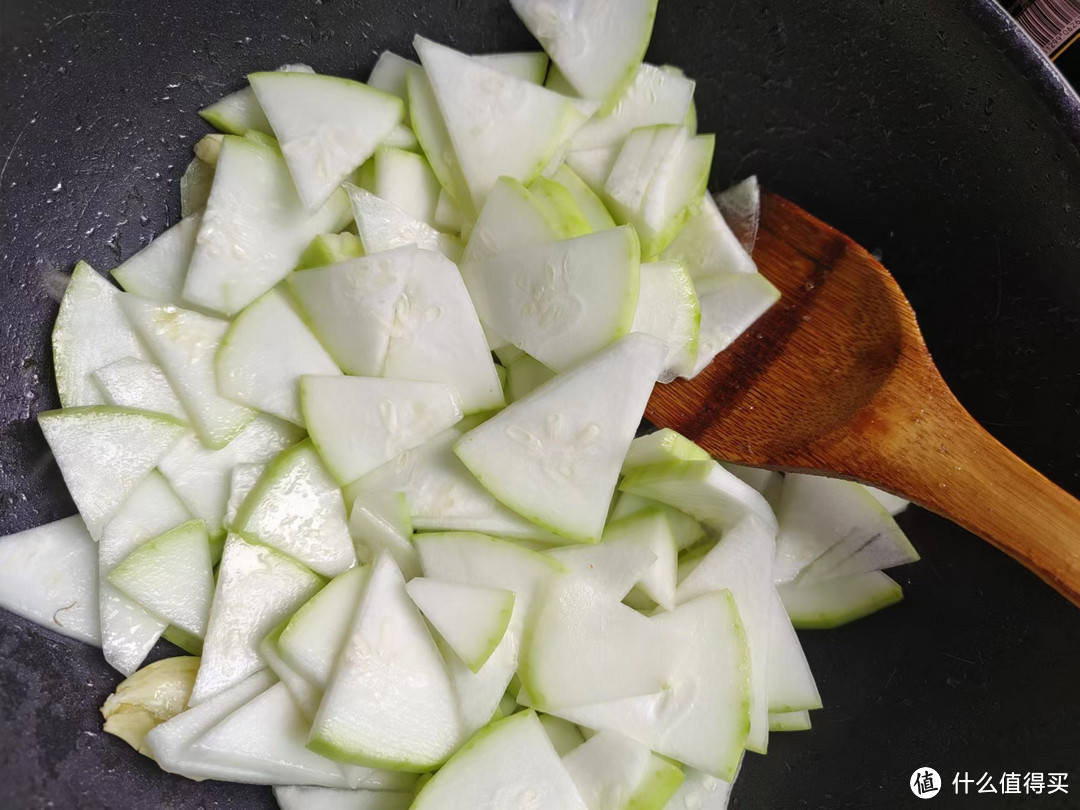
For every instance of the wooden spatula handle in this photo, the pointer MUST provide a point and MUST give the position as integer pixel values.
(944, 460)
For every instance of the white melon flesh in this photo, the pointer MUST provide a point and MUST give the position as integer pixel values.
(767, 482)
(257, 587)
(430, 128)
(184, 343)
(264, 354)
(819, 514)
(701, 715)
(529, 66)
(195, 185)
(741, 562)
(327, 126)
(649, 529)
(700, 791)
(390, 702)
(591, 206)
(593, 165)
(157, 271)
(510, 218)
(657, 181)
(741, 207)
(239, 113)
(498, 124)
(659, 447)
(359, 423)
(254, 229)
(313, 638)
(472, 619)
(654, 97)
(299, 797)
(306, 695)
(382, 226)
(561, 206)
(104, 453)
(380, 521)
(561, 302)
(449, 216)
(268, 734)
(172, 576)
(128, 630)
(707, 246)
(90, 332)
(685, 530)
(475, 559)
(436, 335)
(791, 683)
(730, 305)
(614, 567)
(583, 647)
(132, 383)
(668, 309)
(201, 476)
(406, 180)
(242, 479)
(350, 308)
(390, 75)
(838, 601)
(49, 575)
(564, 735)
(443, 495)
(331, 248)
(555, 456)
(613, 772)
(790, 721)
(171, 742)
(598, 46)
(893, 504)
(511, 763)
(297, 508)
(702, 489)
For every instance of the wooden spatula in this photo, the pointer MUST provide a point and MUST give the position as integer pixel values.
(836, 379)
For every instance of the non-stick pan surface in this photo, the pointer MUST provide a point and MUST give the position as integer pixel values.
(929, 130)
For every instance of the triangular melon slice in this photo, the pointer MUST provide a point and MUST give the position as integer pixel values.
(390, 75)
(201, 476)
(597, 46)
(380, 521)
(384, 226)
(789, 721)
(257, 588)
(48, 575)
(510, 218)
(172, 576)
(818, 514)
(390, 702)
(472, 619)
(405, 179)
(662, 446)
(655, 96)
(314, 636)
(254, 229)
(90, 332)
(303, 691)
(529, 66)
(430, 128)
(511, 763)
(157, 271)
(596, 213)
(668, 309)
(297, 508)
(499, 125)
(707, 247)
(264, 354)
(359, 423)
(700, 717)
(615, 568)
(268, 734)
(350, 308)
(184, 344)
(613, 772)
(239, 113)
(104, 453)
(791, 683)
(742, 564)
(730, 304)
(436, 335)
(555, 456)
(331, 248)
(128, 631)
(195, 184)
(838, 601)
(242, 479)
(443, 495)
(561, 207)
(649, 529)
(702, 489)
(171, 743)
(133, 383)
(327, 126)
(560, 301)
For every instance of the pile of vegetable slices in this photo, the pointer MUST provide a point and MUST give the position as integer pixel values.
(359, 433)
